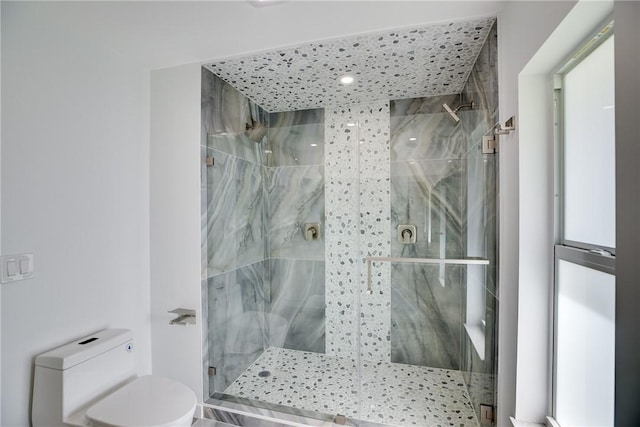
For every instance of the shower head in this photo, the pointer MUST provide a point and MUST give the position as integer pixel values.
(256, 131)
(452, 114)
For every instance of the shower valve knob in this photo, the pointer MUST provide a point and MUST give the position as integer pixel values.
(407, 234)
(311, 231)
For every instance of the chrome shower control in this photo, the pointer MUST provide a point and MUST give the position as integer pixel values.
(311, 231)
(406, 234)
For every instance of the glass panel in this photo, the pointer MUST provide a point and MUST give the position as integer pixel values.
(589, 148)
(265, 251)
(585, 346)
(442, 316)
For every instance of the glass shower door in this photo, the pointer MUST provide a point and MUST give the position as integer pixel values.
(427, 309)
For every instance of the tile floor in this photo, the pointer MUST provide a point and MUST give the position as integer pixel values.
(385, 393)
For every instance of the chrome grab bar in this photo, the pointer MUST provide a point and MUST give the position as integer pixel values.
(465, 261)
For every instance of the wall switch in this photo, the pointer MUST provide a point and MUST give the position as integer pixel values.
(25, 265)
(17, 267)
(12, 267)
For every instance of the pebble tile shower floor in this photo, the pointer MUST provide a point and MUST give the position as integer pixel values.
(389, 393)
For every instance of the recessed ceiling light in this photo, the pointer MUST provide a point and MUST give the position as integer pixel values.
(347, 79)
(351, 124)
(412, 138)
(314, 145)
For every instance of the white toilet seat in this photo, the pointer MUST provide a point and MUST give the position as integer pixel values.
(148, 401)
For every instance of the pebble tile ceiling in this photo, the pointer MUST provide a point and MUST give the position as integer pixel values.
(401, 63)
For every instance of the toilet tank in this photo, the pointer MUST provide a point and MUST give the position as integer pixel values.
(72, 376)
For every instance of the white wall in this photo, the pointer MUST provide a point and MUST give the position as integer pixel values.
(75, 165)
(163, 34)
(175, 222)
(522, 29)
(74, 192)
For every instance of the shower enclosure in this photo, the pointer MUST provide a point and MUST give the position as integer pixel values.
(349, 250)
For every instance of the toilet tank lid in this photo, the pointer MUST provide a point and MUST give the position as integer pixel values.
(78, 351)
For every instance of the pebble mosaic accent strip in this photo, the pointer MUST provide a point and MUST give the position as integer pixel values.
(383, 392)
(404, 63)
(357, 186)
(375, 229)
(341, 237)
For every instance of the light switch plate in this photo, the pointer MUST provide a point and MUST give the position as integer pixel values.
(21, 266)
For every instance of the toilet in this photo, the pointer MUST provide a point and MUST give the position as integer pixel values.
(93, 382)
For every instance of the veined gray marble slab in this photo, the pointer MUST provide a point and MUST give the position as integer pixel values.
(236, 215)
(296, 145)
(420, 106)
(295, 196)
(239, 145)
(237, 321)
(298, 296)
(429, 195)
(226, 115)
(482, 85)
(426, 315)
(298, 117)
(426, 137)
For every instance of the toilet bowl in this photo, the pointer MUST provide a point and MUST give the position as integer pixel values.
(92, 382)
(149, 401)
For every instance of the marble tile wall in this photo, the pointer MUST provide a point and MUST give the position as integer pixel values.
(295, 186)
(426, 135)
(236, 213)
(235, 276)
(296, 145)
(426, 316)
(238, 322)
(295, 196)
(298, 297)
(427, 192)
(295, 118)
(263, 282)
(357, 190)
(226, 117)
